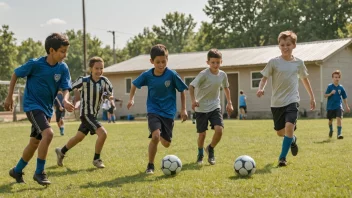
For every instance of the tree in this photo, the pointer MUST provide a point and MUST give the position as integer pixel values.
(141, 43)
(29, 49)
(8, 53)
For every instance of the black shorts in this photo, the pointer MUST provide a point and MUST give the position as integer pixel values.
(214, 117)
(281, 115)
(336, 113)
(59, 115)
(165, 125)
(39, 121)
(111, 110)
(89, 123)
(244, 107)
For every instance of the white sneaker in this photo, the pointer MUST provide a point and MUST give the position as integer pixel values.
(60, 156)
(98, 163)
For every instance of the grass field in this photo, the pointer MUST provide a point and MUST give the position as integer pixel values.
(321, 169)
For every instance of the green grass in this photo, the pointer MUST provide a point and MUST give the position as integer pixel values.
(321, 169)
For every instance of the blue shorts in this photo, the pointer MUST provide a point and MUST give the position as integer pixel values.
(39, 121)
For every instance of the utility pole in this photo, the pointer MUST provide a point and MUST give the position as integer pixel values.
(113, 45)
(85, 69)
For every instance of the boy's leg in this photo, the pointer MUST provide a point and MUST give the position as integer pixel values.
(331, 129)
(216, 122)
(102, 135)
(339, 128)
(201, 140)
(152, 149)
(331, 114)
(202, 127)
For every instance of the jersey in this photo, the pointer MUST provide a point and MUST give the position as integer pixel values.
(334, 101)
(161, 99)
(207, 89)
(285, 76)
(43, 83)
(92, 93)
(242, 101)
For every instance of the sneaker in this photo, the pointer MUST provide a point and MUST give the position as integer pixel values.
(62, 134)
(211, 157)
(98, 163)
(60, 156)
(282, 162)
(330, 133)
(17, 176)
(41, 178)
(200, 159)
(150, 169)
(340, 137)
(294, 147)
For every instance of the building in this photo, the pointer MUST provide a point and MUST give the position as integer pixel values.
(243, 66)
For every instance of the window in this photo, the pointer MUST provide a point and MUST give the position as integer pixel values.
(256, 77)
(188, 80)
(128, 85)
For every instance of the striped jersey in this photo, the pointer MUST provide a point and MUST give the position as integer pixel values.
(92, 93)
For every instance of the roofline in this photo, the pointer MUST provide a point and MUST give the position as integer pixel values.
(338, 50)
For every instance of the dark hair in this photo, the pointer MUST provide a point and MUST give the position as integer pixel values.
(338, 72)
(214, 53)
(158, 50)
(55, 41)
(288, 34)
(241, 92)
(93, 60)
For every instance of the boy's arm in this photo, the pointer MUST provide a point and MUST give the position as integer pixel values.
(261, 87)
(9, 100)
(132, 92)
(184, 114)
(193, 98)
(346, 105)
(67, 104)
(229, 107)
(328, 94)
(306, 84)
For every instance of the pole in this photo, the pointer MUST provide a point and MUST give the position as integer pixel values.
(85, 69)
(113, 45)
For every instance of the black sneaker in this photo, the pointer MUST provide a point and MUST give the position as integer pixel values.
(200, 159)
(282, 162)
(340, 137)
(41, 178)
(17, 176)
(294, 147)
(150, 169)
(330, 133)
(211, 157)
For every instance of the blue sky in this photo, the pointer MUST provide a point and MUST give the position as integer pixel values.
(39, 18)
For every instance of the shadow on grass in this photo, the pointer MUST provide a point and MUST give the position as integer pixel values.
(7, 188)
(266, 170)
(323, 142)
(68, 171)
(191, 166)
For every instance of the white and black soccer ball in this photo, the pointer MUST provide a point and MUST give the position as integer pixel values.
(171, 165)
(245, 165)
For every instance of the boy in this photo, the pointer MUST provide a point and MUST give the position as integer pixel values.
(243, 106)
(60, 112)
(285, 97)
(206, 103)
(334, 92)
(92, 89)
(162, 84)
(45, 76)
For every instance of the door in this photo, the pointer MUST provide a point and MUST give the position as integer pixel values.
(233, 82)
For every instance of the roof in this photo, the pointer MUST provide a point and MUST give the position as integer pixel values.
(237, 57)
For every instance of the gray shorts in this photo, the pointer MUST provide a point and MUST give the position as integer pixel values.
(214, 117)
(165, 125)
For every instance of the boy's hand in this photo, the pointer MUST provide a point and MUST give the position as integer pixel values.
(348, 109)
(8, 103)
(68, 106)
(229, 108)
(130, 104)
(333, 92)
(312, 104)
(61, 109)
(184, 115)
(195, 104)
(260, 93)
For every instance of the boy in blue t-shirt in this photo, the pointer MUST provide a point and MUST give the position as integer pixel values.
(60, 111)
(162, 84)
(243, 106)
(45, 76)
(334, 92)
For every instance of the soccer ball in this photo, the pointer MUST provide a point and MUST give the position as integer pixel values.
(245, 165)
(171, 165)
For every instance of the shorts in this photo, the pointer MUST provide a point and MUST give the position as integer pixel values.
(244, 107)
(39, 121)
(89, 123)
(59, 115)
(111, 110)
(336, 113)
(281, 115)
(214, 117)
(165, 125)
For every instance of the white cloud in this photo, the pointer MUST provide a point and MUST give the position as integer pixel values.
(54, 21)
(4, 5)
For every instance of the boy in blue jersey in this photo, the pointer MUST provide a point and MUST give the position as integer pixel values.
(162, 84)
(45, 76)
(285, 70)
(205, 95)
(334, 92)
(243, 106)
(93, 89)
(60, 112)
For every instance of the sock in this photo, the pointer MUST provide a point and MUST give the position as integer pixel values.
(20, 166)
(96, 156)
(64, 150)
(210, 148)
(339, 128)
(286, 143)
(113, 118)
(293, 139)
(40, 166)
(62, 130)
(330, 127)
(200, 151)
(240, 116)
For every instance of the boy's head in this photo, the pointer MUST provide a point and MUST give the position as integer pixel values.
(241, 92)
(214, 59)
(336, 76)
(96, 66)
(158, 57)
(56, 45)
(287, 42)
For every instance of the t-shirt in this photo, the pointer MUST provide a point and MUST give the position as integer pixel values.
(335, 101)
